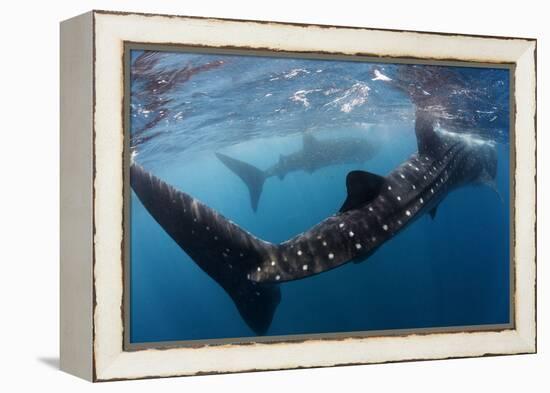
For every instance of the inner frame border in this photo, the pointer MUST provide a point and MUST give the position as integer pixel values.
(128, 46)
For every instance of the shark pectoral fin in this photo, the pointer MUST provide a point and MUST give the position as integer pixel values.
(499, 195)
(253, 177)
(491, 183)
(362, 187)
(433, 212)
(280, 167)
(222, 249)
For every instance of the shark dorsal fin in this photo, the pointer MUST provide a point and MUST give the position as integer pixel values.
(362, 187)
(308, 142)
(427, 139)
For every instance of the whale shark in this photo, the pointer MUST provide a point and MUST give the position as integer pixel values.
(314, 154)
(375, 210)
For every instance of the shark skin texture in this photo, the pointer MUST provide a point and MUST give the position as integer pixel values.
(376, 209)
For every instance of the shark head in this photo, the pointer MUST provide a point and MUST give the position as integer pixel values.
(478, 159)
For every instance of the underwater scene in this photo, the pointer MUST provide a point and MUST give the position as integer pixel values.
(281, 196)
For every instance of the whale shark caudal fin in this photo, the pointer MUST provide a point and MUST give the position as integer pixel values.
(219, 247)
(253, 177)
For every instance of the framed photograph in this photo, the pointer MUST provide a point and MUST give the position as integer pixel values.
(246, 195)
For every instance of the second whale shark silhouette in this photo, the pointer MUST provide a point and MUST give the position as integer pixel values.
(376, 209)
(315, 154)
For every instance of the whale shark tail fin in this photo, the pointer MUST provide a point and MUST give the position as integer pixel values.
(219, 247)
(253, 177)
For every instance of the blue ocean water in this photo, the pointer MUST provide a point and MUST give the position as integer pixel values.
(453, 270)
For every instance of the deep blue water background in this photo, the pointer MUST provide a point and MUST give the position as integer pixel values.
(451, 271)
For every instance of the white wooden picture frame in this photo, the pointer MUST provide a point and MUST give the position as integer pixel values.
(93, 188)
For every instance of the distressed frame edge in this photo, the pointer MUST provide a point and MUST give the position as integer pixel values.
(303, 24)
(76, 196)
(525, 339)
(525, 178)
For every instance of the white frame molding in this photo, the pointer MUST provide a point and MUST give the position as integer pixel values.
(91, 318)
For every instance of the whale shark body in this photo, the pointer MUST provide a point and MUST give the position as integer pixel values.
(315, 154)
(376, 209)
